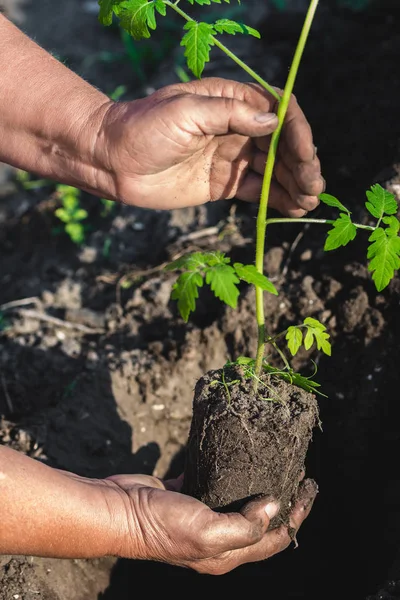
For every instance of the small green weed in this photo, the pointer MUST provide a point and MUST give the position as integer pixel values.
(108, 207)
(4, 324)
(71, 213)
(28, 182)
(119, 91)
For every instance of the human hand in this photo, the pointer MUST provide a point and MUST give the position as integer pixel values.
(134, 516)
(205, 140)
(164, 525)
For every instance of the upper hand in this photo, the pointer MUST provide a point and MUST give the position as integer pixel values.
(164, 525)
(190, 143)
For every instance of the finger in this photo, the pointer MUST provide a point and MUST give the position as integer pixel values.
(174, 485)
(260, 510)
(250, 187)
(217, 87)
(297, 149)
(306, 176)
(250, 190)
(271, 543)
(306, 173)
(127, 481)
(220, 116)
(226, 532)
(307, 493)
(279, 539)
(296, 133)
(281, 200)
(258, 161)
(286, 179)
(303, 181)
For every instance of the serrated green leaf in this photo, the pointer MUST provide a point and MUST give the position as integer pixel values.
(294, 337)
(306, 383)
(244, 360)
(311, 322)
(189, 262)
(250, 274)
(137, 17)
(385, 254)
(343, 231)
(393, 225)
(316, 331)
(76, 232)
(381, 202)
(198, 261)
(63, 189)
(223, 282)
(70, 203)
(332, 201)
(185, 290)
(215, 258)
(233, 27)
(63, 215)
(308, 339)
(161, 7)
(107, 9)
(177, 264)
(324, 345)
(198, 42)
(295, 379)
(80, 214)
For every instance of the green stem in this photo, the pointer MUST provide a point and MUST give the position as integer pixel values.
(36, 184)
(315, 221)
(272, 340)
(269, 169)
(231, 55)
(248, 70)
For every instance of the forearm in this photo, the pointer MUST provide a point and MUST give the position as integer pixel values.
(49, 116)
(46, 512)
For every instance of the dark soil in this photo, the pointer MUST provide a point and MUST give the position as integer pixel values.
(112, 390)
(245, 445)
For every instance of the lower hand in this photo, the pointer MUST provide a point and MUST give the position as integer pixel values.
(170, 527)
(206, 140)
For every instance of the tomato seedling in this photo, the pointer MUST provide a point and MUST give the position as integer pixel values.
(139, 19)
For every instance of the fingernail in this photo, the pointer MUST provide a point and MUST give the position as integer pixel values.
(272, 509)
(315, 152)
(264, 117)
(324, 184)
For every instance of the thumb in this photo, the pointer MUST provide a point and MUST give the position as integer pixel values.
(235, 530)
(219, 116)
(261, 510)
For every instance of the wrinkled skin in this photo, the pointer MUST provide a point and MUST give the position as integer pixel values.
(174, 528)
(187, 144)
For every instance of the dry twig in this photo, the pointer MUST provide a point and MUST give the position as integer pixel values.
(21, 302)
(35, 314)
